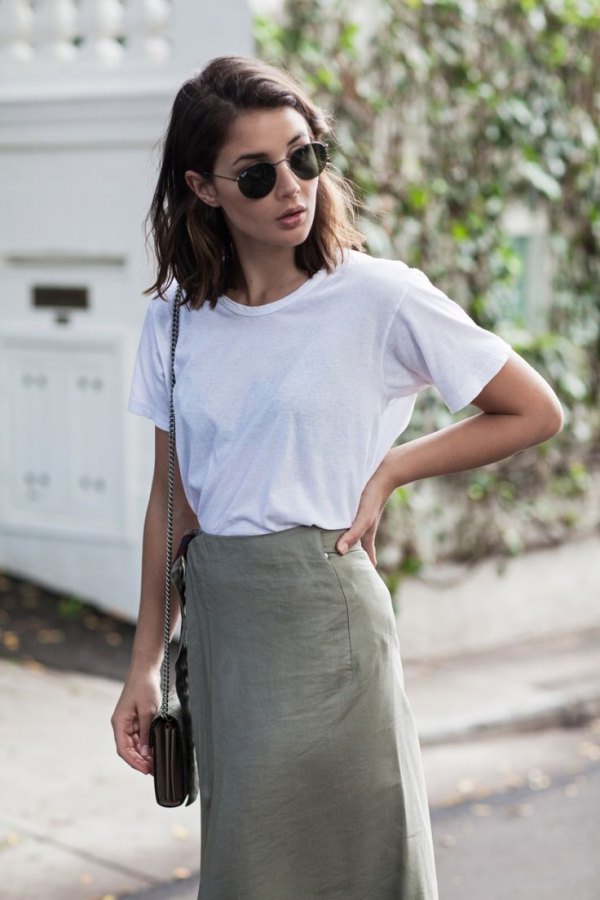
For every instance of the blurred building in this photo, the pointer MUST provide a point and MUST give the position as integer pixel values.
(85, 90)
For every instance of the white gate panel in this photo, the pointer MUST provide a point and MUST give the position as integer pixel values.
(63, 441)
(93, 477)
(33, 407)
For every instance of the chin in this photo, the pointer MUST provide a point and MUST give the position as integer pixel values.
(296, 238)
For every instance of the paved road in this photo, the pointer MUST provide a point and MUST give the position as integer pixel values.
(542, 845)
(514, 816)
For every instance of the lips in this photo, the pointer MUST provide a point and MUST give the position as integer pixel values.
(292, 212)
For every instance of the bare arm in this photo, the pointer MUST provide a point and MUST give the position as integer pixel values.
(148, 641)
(140, 696)
(518, 409)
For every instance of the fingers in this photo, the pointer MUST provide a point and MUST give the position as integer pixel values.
(143, 749)
(364, 527)
(357, 530)
(371, 553)
(354, 534)
(127, 740)
(348, 540)
(143, 745)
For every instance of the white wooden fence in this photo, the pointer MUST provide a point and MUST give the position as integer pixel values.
(85, 91)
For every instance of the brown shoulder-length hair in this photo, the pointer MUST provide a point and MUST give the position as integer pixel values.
(191, 240)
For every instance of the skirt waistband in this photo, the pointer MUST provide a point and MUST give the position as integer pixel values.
(327, 538)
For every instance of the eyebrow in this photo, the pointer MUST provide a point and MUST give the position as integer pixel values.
(263, 153)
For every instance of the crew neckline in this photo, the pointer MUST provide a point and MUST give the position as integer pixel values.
(241, 309)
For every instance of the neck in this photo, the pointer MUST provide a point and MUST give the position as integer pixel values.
(265, 273)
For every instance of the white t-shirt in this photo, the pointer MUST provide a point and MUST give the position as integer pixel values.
(284, 411)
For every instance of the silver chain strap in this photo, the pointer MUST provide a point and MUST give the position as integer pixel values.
(164, 672)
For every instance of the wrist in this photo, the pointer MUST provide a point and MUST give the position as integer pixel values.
(142, 666)
(390, 470)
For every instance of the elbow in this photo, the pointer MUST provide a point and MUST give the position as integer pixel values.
(559, 420)
(550, 418)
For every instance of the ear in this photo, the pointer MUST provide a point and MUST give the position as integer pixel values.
(202, 187)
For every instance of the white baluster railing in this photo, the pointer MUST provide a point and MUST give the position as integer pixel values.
(48, 39)
(146, 24)
(100, 27)
(54, 32)
(16, 24)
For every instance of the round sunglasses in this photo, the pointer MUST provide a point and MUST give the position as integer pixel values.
(259, 179)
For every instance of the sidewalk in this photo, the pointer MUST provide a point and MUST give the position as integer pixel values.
(76, 822)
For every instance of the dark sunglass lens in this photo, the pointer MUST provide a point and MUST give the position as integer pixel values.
(258, 180)
(309, 161)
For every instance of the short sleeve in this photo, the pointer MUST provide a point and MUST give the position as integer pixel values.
(432, 341)
(150, 386)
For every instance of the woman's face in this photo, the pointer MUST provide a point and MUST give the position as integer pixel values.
(258, 136)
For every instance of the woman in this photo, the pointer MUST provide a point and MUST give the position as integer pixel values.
(298, 363)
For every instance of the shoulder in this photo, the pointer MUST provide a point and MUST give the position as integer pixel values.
(373, 270)
(159, 311)
(404, 297)
(392, 275)
(391, 283)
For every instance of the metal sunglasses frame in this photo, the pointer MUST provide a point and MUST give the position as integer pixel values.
(243, 174)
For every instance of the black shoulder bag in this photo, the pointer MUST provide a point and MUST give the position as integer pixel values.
(171, 733)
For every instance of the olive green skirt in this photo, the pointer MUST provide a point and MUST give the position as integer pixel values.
(311, 777)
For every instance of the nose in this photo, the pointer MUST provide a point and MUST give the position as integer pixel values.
(287, 183)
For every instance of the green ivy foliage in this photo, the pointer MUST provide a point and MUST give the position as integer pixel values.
(448, 112)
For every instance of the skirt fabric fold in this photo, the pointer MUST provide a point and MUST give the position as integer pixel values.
(311, 777)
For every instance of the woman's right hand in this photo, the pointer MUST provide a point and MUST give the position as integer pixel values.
(131, 720)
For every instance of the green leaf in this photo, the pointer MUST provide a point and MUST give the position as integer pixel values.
(541, 180)
(459, 231)
(347, 38)
(70, 607)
